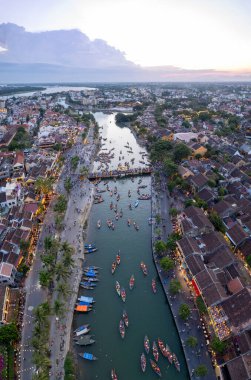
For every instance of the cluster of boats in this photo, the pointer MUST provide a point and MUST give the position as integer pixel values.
(115, 263)
(164, 349)
(123, 323)
(98, 199)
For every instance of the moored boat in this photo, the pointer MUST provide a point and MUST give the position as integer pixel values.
(123, 294)
(92, 279)
(143, 362)
(87, 356)
(155, 367)
(176, 362)
(122, 328)
(114, 265)
(89, 246)
(118, 287)
(85, 340)
(146, 344)
(125, 318)
(114, 375)
(155, 351)
(83, 308)
(118, 258)
(129, 193)
(143, 267)
(128, 222)
(82, 330)
(169, 354)
(162, 348)
(154, 288)
(131, 282)
(90, 250)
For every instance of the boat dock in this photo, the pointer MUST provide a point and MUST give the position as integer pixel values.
(119, 173)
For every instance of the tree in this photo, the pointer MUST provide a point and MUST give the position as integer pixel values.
(8, 334)
(201, 305)
(217, 222)
(74, 162)
(158, 218)
(173, 211)
(63, 289)
(45, 278)
(44, 185)
(61, 204)
(61, 271)
(58, 307)
(68, 185)
(175, 287)
(201, 370)
(184, 311)
(59, 222)
(218, 346)
(160, 247)
(166, 264)
(180, 152)
(189, 202)
(170, 168)
(248, 260)
(192, 341)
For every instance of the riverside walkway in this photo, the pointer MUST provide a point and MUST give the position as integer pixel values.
(194, 356)
(119, 173)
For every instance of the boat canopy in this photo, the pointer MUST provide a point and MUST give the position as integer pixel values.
(88, 356)
(86, 299)
(81, 308)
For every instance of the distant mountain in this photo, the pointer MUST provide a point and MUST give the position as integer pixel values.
(69, 55)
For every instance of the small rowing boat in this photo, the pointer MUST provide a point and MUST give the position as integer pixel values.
(89, 246)
(146, 344)
(118, 259)
(154, 288)
(169, 354)
(155, 367)
(122, 328)
(125, 318)
(128, 222)
(99, 224)
(131, 282)
(176, 362)
(129, 193)
(136, 204)
(155, 351)
(114, 375)
(87, 356)
(118, 288)
(162, 348)
(79, 330)
(143, 267)
(123, 294)
(92, 279)
(114, 265)
(143, 362)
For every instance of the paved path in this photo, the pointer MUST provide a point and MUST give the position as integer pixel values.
(198, 355)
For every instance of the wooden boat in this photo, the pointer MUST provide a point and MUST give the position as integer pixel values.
(169, 354)
(130, 206)
(115, 190)
(92, 267)
(111, 206)
(143, 267)
(155, 367)
(155, 351)
(125, 318)
(90, 250)
(176, 362)
(121, 213)
(118, 259)
(146, 344)
(85, 340)
(143, 362)
(81, 328)
(89, 246)
(83, 308)
(86, 299)
(131, 282)
(162, 348)
(88, 283)
(92, 279)
(123, 294)
(129, 193)
(136, 204)
(114, 375)
(114, 265)
(87, 287)
(122, 328)
(118, 197)
(128, 222)
(154, 288)
(118, 288)
(99, 224)
(87, 356)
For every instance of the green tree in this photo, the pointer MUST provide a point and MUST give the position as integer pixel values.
(184, 311)
(192, 341)
(166, 264)
(169, 167)
(74, 162)
(175, 287)
(248, 260)
(180, 152)
(158, 218)
(61, 204)
(58, 308)
(160, 247)
(173, 211)
(44, 185)
(201, 305)
(201, 371)
(68, 185)
(63, 289)
(218, 346)
(188, 202)
(8, 334)
(45, 278)
(61, 272)
(217, 222)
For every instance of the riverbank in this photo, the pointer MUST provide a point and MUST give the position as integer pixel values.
(194, 356)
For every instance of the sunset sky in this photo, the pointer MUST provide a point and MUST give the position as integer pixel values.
(190, 34)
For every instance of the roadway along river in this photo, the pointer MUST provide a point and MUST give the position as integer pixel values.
(148, 313)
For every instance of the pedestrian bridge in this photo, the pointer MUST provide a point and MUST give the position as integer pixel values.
(119, 173)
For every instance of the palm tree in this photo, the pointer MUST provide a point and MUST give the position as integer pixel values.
(45, 277)
(63, 289)
(49, 261)
(66, 247)
(44, 185)
(61, 271)
(59, 307)
(68, 261)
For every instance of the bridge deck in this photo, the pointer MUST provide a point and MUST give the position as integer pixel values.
(119, 173)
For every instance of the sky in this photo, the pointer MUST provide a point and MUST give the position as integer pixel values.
(189, 34)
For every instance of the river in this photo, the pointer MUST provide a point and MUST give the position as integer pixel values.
(148, 313)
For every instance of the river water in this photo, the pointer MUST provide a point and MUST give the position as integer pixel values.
(148, 313)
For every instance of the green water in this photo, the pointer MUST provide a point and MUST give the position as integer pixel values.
(148, 313)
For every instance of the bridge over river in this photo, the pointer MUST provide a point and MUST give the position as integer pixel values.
(119, 173)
